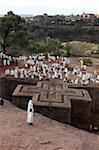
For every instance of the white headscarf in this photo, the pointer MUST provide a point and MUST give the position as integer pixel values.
(30, 106)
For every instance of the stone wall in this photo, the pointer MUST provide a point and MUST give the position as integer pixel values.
(94, 93)
(1, 89)
(81, 113)
(8, 85)
(21, 102)
(57, 101)
(60, 114)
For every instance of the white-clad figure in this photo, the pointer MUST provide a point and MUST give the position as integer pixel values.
(7, 72)
(96, 81)
(64, 79)
(66, 70)
(81, 64)
(25, 73)
(37, 62)
(66, 75)
(84, 67)
(12, 72)
(21, 73)
(97, 77)
(10, 59)
(8, 62)
(44, 72)
(31, 68)
(30, 112)
(49, 75)
(16, 73)
(4, 62)
(86, 82)
(84, 77)
(32, 75)
(73, 71)
(80, 74)
(76, 81)
(61, 77)
(55, 74)
(34, 68)
(95, 74)
(40, 77)
(26, 65)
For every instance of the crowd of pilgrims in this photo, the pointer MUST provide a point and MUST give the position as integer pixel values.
(8, 60)
(49, 67)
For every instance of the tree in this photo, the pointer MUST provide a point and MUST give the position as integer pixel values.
(52, 44)
(34, 47)
(68, 48)
(12, 30)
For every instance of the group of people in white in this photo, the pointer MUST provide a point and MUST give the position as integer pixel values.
(7, 60)
(53, 67)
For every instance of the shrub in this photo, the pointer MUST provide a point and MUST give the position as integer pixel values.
(87, 61)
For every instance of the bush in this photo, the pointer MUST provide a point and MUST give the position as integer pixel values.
(60, 52)
(87, 61)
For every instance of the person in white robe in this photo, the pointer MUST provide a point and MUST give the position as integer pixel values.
(8, 62)
(81, 64)
(16, 73)
(7, 72)
(61, 77)
(76, 81)
(25, 73)
(84, 67)
(80, 74)
(65, 70)
(12, 72)
(97, 77)
(66, 75)
(30, 112)
(26, 65)
(4, 62)
(21, 73)
(31, 68)
(64, 80)
(86, 82)
(40, 77)
(34, 68)
(55, 74)
(49, 74)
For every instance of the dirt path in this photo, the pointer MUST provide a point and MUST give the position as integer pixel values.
(46, 134)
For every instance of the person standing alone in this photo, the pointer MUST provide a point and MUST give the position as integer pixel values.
(30, 112)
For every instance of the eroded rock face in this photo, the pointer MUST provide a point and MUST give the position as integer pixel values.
(8, 85)
(57, 101)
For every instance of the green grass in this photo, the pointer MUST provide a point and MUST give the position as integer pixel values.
(82, 48)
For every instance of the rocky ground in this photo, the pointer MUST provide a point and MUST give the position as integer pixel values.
(46, 134)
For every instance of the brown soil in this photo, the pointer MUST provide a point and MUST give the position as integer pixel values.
(46, 134)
